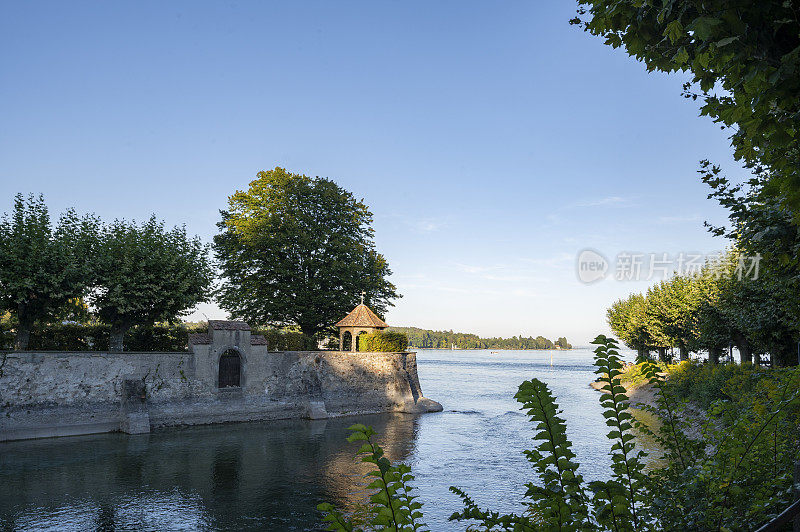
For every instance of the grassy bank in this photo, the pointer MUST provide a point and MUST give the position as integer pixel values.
(705, 384)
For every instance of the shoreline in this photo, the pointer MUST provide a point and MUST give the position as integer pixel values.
(637, 395)
(644, 395)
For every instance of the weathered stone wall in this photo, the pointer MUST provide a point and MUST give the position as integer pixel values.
(50, 394)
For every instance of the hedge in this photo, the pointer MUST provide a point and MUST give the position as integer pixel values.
(386, 342)
(159, 338)
(6, 335)
(278, 340)
(94, 337)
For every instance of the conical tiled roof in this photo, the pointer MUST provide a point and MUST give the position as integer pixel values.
(362, 316)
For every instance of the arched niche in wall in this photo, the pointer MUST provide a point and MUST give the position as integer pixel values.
(230, 369)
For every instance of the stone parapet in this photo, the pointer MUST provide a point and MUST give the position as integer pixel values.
(51, 393)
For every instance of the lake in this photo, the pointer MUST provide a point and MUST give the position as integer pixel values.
(271, 476)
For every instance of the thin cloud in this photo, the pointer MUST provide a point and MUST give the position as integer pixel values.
(601, 202)
(468, 268)
(554, 261)
(427, 226)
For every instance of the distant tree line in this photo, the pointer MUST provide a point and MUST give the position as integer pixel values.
(428, 339)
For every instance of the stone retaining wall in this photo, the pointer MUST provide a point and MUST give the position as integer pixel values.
(51, 394)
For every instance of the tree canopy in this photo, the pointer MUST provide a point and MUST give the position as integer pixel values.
(710, 311)
(146, 274)
(296, 250)
(744, 61)
(42, 267)
(123, 274)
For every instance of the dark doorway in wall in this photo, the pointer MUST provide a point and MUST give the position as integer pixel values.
(347, 341)
(230, 369)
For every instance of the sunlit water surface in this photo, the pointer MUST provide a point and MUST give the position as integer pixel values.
(271, 476)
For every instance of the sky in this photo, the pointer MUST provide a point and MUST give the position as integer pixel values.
(492, 141)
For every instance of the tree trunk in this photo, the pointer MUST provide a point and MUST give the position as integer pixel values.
(115, 340)
(22, 338)
(308, 330)
(310, 342)
(746, 354)
(662, 354)
(643, 354)
(684, 352)
(714, 354)
(24, 326)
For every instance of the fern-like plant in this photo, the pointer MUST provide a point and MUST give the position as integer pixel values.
(621, 501)
(393, 508)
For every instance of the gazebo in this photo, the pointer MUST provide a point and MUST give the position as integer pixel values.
(360, 320)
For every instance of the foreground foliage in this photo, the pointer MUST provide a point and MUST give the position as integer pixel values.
(736, 475)
(393, 506)
(744, 61)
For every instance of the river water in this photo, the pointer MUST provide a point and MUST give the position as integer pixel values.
(271, 476)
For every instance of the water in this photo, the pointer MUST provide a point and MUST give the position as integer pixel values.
(270, 476)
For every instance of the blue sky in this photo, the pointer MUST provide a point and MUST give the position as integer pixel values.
(492, 140)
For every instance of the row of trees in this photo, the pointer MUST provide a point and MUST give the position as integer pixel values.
(428, 339)
(717, 308)
(292, 251)
(742, 63)
(129, 273)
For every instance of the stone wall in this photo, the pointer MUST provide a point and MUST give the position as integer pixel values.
(51, 394)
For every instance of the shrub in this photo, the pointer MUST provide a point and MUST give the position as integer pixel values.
(95, 337)
(70, 337)
(634, 375)
(383, 342)
(706, 383)
(6, 335)
(160, 337)
(278, 340)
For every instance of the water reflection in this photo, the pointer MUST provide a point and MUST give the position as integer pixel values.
(245, 477)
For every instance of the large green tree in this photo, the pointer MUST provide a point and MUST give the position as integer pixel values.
(767, 308)
(296, 250)
(628, 319)
(42, 267)
(677, 308)
(145, 274)
(743, 57)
